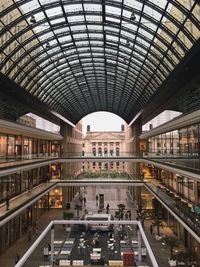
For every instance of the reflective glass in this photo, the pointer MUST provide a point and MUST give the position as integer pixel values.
(75, 41)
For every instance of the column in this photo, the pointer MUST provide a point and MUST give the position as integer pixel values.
(135, 146)
(136, 130)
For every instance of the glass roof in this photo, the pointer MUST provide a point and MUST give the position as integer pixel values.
(82, 56)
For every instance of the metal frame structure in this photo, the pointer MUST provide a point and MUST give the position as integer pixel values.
(82, 56)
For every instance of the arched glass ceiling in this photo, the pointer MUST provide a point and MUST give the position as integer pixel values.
(84, 56)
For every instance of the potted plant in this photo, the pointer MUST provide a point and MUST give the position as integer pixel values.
(186, 257)
(121, 207)
(171, 242)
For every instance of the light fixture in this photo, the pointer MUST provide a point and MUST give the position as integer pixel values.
(133, 17)
(47, 45)
(33, 20)
(56, 191)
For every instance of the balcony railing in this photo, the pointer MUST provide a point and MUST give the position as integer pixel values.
(183, 212)
(150, 155)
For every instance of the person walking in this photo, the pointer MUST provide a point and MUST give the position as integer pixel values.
(84, 201)
(17, 258)
(29, 236)
(97, 199)
(7, 200)
(129, 215)
(49, 247)
(151, 229)
(107, 207)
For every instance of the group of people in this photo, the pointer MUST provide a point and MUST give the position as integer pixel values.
(124, 215)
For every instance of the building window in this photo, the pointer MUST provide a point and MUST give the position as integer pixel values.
(99, 165)
(100, 151)
(94, 151)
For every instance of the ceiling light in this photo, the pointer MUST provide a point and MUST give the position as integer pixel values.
(32, 20)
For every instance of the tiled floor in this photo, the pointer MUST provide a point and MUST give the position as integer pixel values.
(20, 247)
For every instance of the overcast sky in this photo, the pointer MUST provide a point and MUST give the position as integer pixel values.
(102, 121)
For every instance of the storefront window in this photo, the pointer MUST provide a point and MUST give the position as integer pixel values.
(175, 141)
(183, 141)
(55, 171)
(11, 146)
(117, 151)
(26, 146)
(55, 198)
(55, 149)
(3, 145)
(150, 142)
(18, 146)
(193, 139)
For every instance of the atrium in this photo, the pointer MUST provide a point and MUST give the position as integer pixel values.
(62, 60)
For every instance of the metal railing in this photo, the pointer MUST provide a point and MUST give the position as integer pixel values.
(145, 155)
(184, 213)
(51, 228)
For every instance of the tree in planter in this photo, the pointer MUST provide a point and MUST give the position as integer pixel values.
(158, 224)
(121, 207)
(171, 242)
(186, 256)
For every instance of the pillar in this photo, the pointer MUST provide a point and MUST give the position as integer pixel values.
(136, 130)
(72, 143)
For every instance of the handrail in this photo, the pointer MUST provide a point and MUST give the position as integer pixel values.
(145, 155)
(186, 216)
(51, 227)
